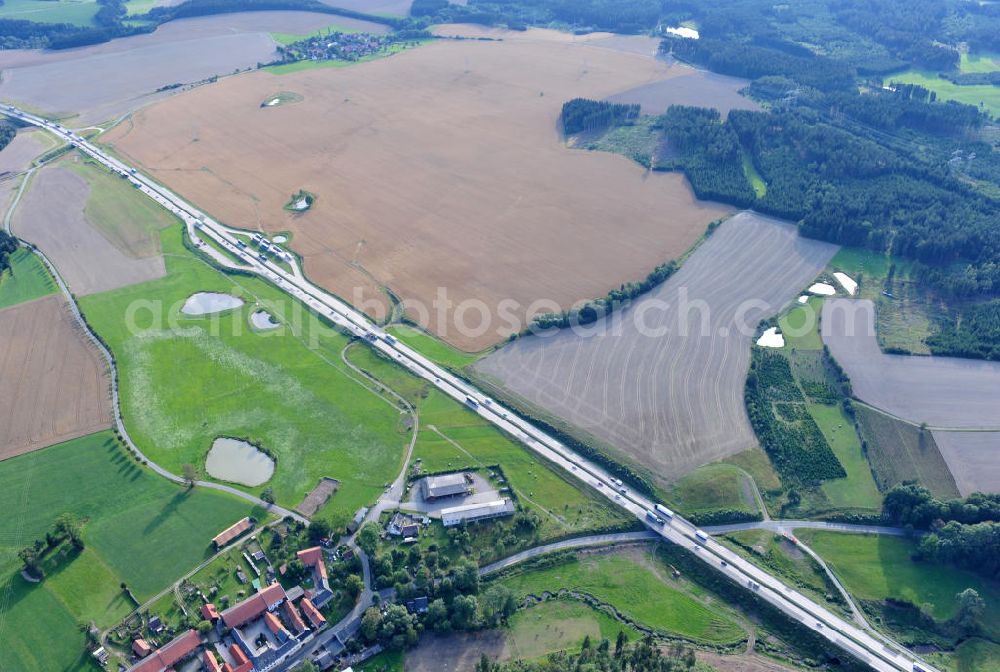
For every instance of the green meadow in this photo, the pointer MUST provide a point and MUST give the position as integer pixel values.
(186, 380)
(137, 528)
(26, 279)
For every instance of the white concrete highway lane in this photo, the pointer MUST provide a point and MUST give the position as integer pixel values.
(879, 653)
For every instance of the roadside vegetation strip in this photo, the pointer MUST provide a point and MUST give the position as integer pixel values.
(478, 444)
(26, 279)
(433, 348)
(877, 568)
(303, 414)
(137, 529)
(636, 584)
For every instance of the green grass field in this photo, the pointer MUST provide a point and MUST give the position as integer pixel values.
(560, 625)
(188, 380)
(984, 96)
(137, 527)
(285, 39)
(75, 12)
(800, 325)
(756, 181)
(135, 7)
(26, 279)
(130, 223)
(985, 62)
(387, 661)
(972, 655)
(638, 584)
(710, 488)
(858, 490)
(452, 437)
(433, 348)
(874, 568)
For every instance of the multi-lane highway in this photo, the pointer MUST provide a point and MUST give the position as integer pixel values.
(878, 652)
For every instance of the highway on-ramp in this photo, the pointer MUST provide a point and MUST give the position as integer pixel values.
(879, 653)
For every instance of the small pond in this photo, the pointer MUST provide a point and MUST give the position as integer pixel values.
(206, 303)
(772, 338)
(238, 462)
(263, 320)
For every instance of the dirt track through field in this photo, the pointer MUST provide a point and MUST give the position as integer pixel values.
(941, 391)
(129, 70)
(55, 386)
(438, 168)
(51, 216)
(663, 379)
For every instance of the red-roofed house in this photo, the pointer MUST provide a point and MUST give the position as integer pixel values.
(252, 607)
(312, 613)
(170, 653)
(313, 557)
(231, 532)
(141, 648)
(292, 614)
(209, 612)
(243, 663)
(211, 664)
(274, 625)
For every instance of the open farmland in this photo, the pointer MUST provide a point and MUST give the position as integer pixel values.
(662, 380)
(438, 168)
(51, 215)
(137, 528)
(900, 451)
(695, 87)
(941, 391)
(974, 458)
(184, 51)
(55, 384)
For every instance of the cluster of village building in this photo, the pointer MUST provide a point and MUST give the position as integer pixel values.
(337, 46)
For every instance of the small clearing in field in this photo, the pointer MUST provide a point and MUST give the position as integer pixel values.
(55, 384)
(179, 52)
(438, 169)
(974, 459)
(695, 87)
(459, 652)
(662, 380)
(941, 391)
(51, 216)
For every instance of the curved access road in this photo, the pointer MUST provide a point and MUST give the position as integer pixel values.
(846, 635)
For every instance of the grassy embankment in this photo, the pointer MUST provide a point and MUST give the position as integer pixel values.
(560, 625)
(187, 380)
(434, 348)
(712, 488)
(25, 280)
(874, 568)
(138, 528)
(452, 437)
(637, 584)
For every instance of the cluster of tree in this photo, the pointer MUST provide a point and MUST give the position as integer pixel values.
(582, 114)
(974, 547)
(788, 434)
(708, 152)
(193, 8)
(66, 528)
(622, 16)
(911, 504)
(974, 333)
(642, 656)
(594, 310)
(8, 244)
(973, 78)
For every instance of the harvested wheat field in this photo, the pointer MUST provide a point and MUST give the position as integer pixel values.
(974, 459)
(51, 215)
(662, 380)
(438, 168)
(55, 383)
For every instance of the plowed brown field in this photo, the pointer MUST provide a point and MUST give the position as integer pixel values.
(55, 386)
(438, 168)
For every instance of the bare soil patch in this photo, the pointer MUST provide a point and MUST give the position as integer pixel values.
(745, 662)
(941, 391)
(51, 216)
(458, 652)
(55, 385)
(319, 496)
(696, 87)
(974, 459)
(663, 380)
(131, 69)
(441, 167)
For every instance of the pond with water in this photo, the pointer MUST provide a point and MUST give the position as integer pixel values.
(206, 303)
(238, 462)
